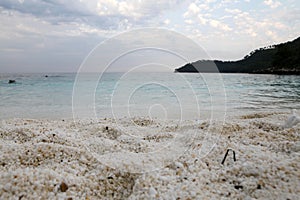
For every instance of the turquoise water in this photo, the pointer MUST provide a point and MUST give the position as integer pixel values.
(168, 95)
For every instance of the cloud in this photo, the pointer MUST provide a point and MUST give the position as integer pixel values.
(61, 18)
(290, 17)
(139, 12)
(58, 12)
(201, 19)
(267, 28)
(200, 14)
(102, 14)
(193, 8)
(217, 24)
(272, 4)
(233, 11)
(189, 21)
(272, 34)
(14, 50)
(167, 21)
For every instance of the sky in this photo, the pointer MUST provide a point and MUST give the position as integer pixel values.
(58, 35)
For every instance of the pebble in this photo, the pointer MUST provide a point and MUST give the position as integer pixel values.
(63, 187)
(268, 171)
(152, 192)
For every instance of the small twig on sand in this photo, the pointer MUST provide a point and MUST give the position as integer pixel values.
(233, 152)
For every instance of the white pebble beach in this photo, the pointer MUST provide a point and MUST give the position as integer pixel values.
(142, 158)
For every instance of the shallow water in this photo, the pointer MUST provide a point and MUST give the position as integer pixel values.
(167, 95)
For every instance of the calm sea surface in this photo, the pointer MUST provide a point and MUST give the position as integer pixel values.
(168, 95)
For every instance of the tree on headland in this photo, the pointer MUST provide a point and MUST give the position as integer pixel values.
(282, 58)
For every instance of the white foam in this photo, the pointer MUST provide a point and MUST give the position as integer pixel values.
(292, 120)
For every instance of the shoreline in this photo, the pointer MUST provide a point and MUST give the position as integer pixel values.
(138, 158)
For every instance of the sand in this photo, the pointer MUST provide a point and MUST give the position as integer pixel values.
(142, 158)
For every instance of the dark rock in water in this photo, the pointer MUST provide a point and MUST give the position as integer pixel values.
(46, 76)
(11, 81)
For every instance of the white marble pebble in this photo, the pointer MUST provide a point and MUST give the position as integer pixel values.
(113, 164)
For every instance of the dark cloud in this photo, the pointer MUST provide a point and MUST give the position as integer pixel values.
(75, 11)
(44, 8)
(59, 12)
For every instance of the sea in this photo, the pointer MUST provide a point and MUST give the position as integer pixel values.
(164, 95)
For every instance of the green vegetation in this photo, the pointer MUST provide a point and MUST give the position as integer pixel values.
(276, 59)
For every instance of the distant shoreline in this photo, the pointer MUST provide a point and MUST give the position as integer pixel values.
(261, 73)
